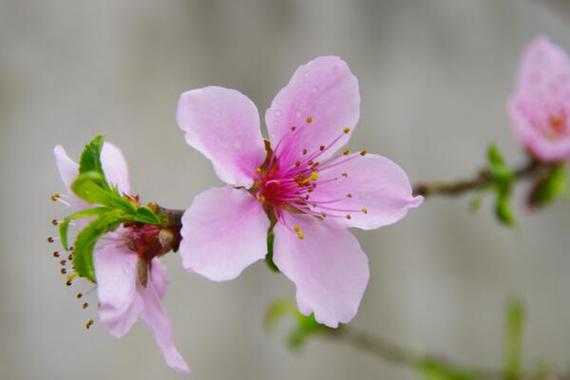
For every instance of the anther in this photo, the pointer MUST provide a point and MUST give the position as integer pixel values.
(68, 282)
(321, 148)
(346, 152)
(70, 249)
(55, 197)
(365, 210)
(346, 130)
(50, 239)
(293, 129)
(309, 119)
(63, 271)
(297, 164)
(258, 170)
(54, 222)
(305, 151)
(89, 324)
(298, 231)
(345, 175)
(56, 254)
(348, 216)
(70, 257)
(363, 152)
(85, 305)
(62, 262)
(78, 295)
(349, 195)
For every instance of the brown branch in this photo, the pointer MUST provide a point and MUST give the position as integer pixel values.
(482, 180)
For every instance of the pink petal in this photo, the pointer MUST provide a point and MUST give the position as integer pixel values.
(159, 277)
(68, 169)
(157, 320)
(327, 266)
(320, 100)
(543, 91)
(367, 191)
(223, 232)
(115, 167)
(223, 125)
(116, 273)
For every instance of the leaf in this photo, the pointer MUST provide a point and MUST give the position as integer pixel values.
(502, 180)
(64, 225)
(92, 187)
(146, 215)
(549, 187)
(86, 239)
(305, 326)
(91, 156)
(515, 321)
(436, 370)
(503, 209)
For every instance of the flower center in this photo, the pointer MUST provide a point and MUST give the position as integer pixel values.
(557, 126)
(149, 241)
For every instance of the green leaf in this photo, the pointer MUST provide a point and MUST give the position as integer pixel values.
(502, 181)
(91, 156)
(64, 225)
(515, 321)
(146, 215)
(86, 239)
(503, 209)
(305, 326)
(549, 188)
(269, 256)
(436, 370)
(92, 187)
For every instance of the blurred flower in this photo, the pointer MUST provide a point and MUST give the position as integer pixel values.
(131, 281)
(540, 106)
(292, 186)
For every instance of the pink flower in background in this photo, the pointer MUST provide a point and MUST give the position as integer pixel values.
(540, 106)
(131, 281)
(294, 180)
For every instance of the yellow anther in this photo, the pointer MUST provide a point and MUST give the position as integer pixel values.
(314, 176)
(365, 210)
(258, 169)
(363, 152)
(346, 130)
(55, 196)
(309, 119)
(298, 231)
(346, 152)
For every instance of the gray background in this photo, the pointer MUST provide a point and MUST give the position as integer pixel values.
(434, 76)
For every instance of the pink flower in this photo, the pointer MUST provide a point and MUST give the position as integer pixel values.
(297, 182)
(540, 106)
(131, 281)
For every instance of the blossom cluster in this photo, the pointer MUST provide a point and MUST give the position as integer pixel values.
(290, 198)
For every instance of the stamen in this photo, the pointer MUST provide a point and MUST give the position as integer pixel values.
(305, 151)
(50, 239)
(348, 216)
(345, 175)
(346, 130)
(56, 254)
(309, 119)
(79, 295)
(349, 195)
(363, 152)
(55, 197)
(85, 305)
(63, 271)
(364, 210)
(89, 324)
(298, 231)
(70, 257)
(346, 152)
(62, 262)
(54, 222)
(321, 148)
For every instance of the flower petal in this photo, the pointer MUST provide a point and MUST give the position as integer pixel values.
(320, 101)
(115, 167)
(223, 125)
(327, 266)
(367, 191)
(157, 320)
(223, 232)
(115, 270)
(543, 93)
(68, 169)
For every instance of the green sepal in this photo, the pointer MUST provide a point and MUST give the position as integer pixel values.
(91, 156)
(146, 215)
(549, 187)
(436, 370)
(64, 224)
(86, 239)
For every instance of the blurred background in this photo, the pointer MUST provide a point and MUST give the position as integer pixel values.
(434, 77)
